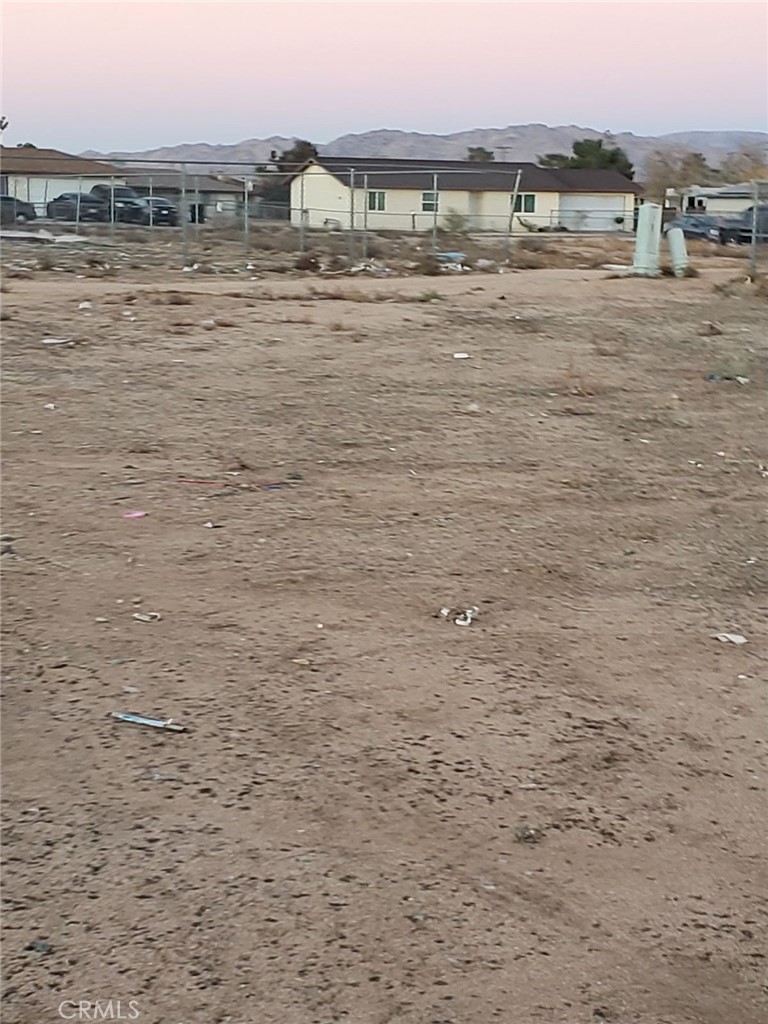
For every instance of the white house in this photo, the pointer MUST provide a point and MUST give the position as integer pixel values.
(726, 200)
(39, 175)
(413, 195)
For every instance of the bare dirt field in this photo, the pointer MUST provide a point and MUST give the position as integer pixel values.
(555, 814)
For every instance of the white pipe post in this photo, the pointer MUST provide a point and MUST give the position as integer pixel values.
(677, 251)
(648, 241)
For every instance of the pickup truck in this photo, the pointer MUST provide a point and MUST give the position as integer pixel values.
(122, 203)
(739, 229)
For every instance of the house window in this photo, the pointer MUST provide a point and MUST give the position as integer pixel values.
(429, 202)
(525, 203)
(376, 201)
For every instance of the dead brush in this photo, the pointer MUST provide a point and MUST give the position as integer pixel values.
(45, 261)
(611, 348)
(177, 299)
(337, 325)
(574, 383)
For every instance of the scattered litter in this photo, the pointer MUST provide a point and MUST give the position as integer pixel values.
(460, 616)
(153, 723)
(727, 376)
(708, 328)
(529, 833)
(213, 526)
(101, 618)
(195, 266)
(473, 407)
(130, 689)
(730, 638)
(49, 405)
(461, 355)
(85, 305)
(450, 257)
(301, 661)
(55, 341)
(39, 947)
(135, 515)
(147, 616)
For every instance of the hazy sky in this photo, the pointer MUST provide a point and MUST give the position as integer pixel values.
(131, 75)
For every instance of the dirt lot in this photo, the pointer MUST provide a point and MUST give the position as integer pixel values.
(555, 814)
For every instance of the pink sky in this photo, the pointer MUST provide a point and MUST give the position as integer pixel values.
(130, 75)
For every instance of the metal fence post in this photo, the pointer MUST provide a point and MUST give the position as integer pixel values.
(246, 224)
(366, 200)
(112, 208)
(753, 243)
(184, 217)
(151, 207)
(302, 228)
(77, 205)
(512, 205)
(351, 214)
(434, 213)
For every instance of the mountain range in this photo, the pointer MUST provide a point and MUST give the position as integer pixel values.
(525, 142)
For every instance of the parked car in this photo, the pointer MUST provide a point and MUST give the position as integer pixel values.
(739, 229)
(77, 206)
(16, 211)
(123, 201)
(160, 211)
(694, 225)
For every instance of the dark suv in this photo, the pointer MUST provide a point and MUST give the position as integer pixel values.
(159, 211)
(121, 202)
(78, 206)
(16, 211)
(739, 229)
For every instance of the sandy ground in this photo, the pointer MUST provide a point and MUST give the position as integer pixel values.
(555, 814)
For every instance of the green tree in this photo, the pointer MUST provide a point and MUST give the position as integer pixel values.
(275, 186)
(480, 155)
(592, 154)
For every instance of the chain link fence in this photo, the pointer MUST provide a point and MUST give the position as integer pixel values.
(237, 201)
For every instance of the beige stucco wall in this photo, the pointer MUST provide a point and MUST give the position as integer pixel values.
(325, 198)
(727, 206)
(39, 190)
(326, 202)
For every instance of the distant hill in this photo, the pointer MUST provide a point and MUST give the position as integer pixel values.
(516, 142)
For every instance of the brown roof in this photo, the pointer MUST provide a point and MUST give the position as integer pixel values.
(50, 163)
(465, 176)
(173, 180)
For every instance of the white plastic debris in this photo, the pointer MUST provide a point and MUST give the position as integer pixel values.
(85, 305)
(731, 638)
(460, 616)
(147, 616)
(742, 380)
(461, 355)
(49, 405)
(55, 341)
